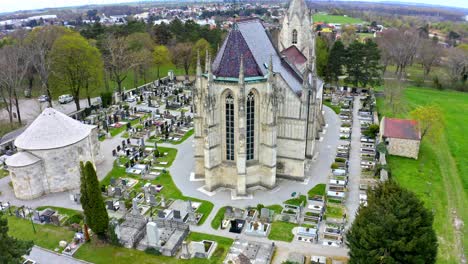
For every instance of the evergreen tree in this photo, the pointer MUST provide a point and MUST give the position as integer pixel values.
(362, 64)
(92, 202)
(335, 62)
(321, 49)
(11, 249)
(394, 227)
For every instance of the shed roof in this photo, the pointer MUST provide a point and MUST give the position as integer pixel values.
(52, 129)
(401, 128)
(20, 159)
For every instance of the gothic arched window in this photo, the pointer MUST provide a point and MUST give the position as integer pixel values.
(294, 37)
(229, 127)
(250, 125)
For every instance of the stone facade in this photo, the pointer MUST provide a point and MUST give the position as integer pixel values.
(403, 147)
(36, 171)
(264, 98)
(296, 28)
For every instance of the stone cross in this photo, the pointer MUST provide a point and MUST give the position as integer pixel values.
(191, 213)
(163, 201)
(152, 234)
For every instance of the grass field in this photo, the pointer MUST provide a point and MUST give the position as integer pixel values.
(46, 236)
(98, 253)
(440, 176)
(326, 18)
(217, 220)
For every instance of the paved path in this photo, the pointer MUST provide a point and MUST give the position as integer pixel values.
(43, 256)
(317, 172)
(354, 170)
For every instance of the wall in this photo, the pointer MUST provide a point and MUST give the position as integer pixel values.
(27, 181)
(403, 147)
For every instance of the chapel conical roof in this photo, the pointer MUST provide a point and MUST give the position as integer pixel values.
(52, 129)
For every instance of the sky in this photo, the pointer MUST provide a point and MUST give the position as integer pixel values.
(15, 5)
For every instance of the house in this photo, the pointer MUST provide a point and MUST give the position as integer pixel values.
(401, 136)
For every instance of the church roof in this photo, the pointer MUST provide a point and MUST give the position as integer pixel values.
(21, 159)
(294, 56)
(52, 129)
(227, 63)
(260, 46)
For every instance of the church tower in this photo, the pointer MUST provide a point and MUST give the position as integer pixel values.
(297, 29)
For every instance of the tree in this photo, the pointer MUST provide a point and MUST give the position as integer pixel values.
(335, 62)
(429, 54)
(14, 62)
(393, 90)
(430, 119)
(11, 249)
(76, 65)
(161, 56)
(394, 227)
(348, 35)
(362, 64)
(162, 34)
(119, 59)
(202, 46)
(457, 66)
(322, 56)
(182, 56)
(91, 200)
(142, 47)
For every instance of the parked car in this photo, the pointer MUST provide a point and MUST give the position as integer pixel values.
(65, 98)
(43, 98)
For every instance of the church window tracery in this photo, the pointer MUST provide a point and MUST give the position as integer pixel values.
(229, 127)
(294, 37)
(250, 126)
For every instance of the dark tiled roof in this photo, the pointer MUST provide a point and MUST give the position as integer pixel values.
(401, 128)
(227, 62)
(294, 55)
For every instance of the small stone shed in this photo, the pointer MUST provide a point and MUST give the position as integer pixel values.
(49, 155)
(401, 136)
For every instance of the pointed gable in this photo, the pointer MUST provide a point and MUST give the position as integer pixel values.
(297, 7)
(227, 61)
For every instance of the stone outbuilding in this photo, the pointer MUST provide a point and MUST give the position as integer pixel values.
(49, 155)
(401, 136)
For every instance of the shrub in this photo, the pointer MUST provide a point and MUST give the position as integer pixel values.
(334, 166)
(372, 131)
(106, 99)
(74, 219)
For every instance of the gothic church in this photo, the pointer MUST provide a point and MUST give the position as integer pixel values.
(258, 105)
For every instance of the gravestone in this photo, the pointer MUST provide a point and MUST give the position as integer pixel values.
(265, 214)
(185, 250)
(112, 181)
(54, 219)
(152, 200)
(161, 214)
(36, 216)
(229, 212)
(118, 191)
(135, 210)
(110, 205)
(152, 234)
(177, 215)
(153, 190)
(124, 182)
(163, 201)
(191, 213)
(238, 213)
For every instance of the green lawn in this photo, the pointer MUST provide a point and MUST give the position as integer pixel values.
(46, 236)
(297, 201)
(7, 127)
(281, 231)
(169, 158)
(217, 220)
(440, 176)
(335, 108)
(275, 208)
(186, 135)
(318, 189)
(103, 253)
(334, 211)
(322, 17)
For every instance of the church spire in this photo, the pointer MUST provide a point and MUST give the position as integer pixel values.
(208, 66)
(206, 60)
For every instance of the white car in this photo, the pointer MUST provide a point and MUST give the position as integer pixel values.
(65, 98)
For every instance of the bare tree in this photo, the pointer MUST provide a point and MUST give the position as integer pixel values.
(401, 46)
(429, 55)
(457, 66)
(393, 91)
(14, 62)
(41, 41)
(118, 58)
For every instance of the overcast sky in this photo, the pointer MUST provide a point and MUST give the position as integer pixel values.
(14, 5)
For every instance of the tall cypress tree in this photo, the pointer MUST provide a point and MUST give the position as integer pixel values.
(394, 227)
(92, 202)
(11, 249)
(362, 63)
